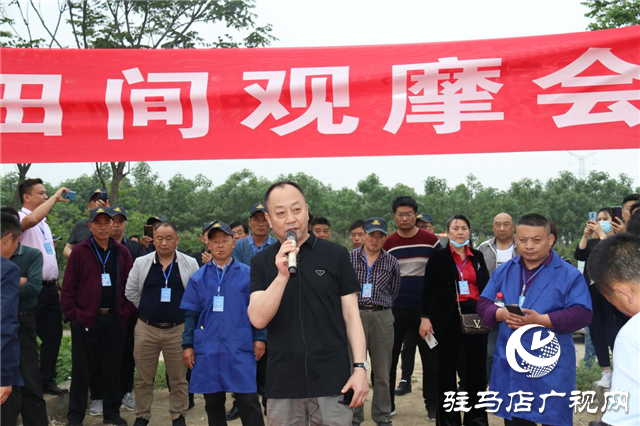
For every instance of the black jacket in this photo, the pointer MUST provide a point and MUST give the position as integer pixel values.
(440, 280)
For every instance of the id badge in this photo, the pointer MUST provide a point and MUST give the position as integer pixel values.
(218, 303)
(106, 280)
(520, 301)
(367, 290)
(165, 295)
(464, 287)
(48, 248)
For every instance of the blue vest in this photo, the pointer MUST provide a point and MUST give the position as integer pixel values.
(556, 287)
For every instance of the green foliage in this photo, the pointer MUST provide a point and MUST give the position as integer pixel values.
(160, 380)
(586, 375)
(612, 13)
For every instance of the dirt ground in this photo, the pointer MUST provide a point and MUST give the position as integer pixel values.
(410, 408)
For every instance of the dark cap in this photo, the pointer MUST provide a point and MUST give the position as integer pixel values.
(97, 191)
(220, 226)
(424, 217)
(257, 207)
(118, 211)
(155, 219)
(375, 224)
(207, 225)
(98, 211)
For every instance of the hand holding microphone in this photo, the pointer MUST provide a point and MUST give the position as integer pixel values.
(286, 261)
(293, 263)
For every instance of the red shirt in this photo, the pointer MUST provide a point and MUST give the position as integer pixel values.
(468, 273)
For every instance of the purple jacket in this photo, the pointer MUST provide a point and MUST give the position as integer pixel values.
(82, 285)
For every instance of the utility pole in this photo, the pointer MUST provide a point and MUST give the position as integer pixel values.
(582, 172)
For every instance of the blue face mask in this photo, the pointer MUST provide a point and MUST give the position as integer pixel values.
(458, 244)
(605, 225)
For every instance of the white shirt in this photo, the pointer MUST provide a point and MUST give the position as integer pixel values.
(503, 256)
(626, 374)
(36, 237)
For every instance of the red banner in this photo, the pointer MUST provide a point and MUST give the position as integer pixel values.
(561, 92)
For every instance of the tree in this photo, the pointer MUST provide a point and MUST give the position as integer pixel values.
(23, 168)
(612, 13)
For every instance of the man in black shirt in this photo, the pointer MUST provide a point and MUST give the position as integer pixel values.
(310, 317)
(156, 285)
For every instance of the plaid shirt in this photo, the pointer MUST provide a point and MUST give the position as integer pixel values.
(384, 277)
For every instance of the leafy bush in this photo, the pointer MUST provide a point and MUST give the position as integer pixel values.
(63, 365)
(586, 375)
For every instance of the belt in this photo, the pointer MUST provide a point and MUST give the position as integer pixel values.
(50, 282)
(23, 313)
(371, 308)
(104, 311)
(161, 325)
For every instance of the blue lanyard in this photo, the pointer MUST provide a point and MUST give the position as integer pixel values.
(40, 227)
(166, 276)
(220, 277)
(254, 247)
(525, 282)
(460, 270)
(366, 262)
(104, 262)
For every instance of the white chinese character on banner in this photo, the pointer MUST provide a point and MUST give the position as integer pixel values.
(449, 401)
(449, 91)
(546, 395)
(523, 404)
(319, 109)
(14, 103)
(492, 401)
(614, 400)
(159, 104)
(620, 108)
(585, 398)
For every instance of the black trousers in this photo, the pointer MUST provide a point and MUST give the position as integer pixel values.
(127, 366)
(516, 421)
(407, 320)
(450, 342)
(105, 337)
(27, 400)
(49, 329)
(605, 325)
(408, 356)
(248, 405)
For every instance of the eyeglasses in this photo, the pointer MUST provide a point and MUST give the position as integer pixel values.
(408, 215)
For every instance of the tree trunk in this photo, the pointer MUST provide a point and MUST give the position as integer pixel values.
(118, 174)
(23, 168)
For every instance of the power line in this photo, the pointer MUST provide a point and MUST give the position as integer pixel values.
(582, 172)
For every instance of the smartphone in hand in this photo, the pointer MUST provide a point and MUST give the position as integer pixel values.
(514, 309)
(70, 195)
(346, 399)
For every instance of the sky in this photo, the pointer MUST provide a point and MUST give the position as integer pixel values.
(311, 23)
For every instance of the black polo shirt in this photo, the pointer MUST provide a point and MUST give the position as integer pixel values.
(308, 328)
(151, 308)
(108, 298)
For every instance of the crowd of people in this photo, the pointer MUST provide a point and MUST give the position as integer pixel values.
(275, 309)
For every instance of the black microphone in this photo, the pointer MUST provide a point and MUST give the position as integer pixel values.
(293, 264)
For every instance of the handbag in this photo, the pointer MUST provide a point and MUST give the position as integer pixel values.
(470, 323)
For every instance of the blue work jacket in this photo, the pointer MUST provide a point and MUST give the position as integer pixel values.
(222, 341)
(556, 287)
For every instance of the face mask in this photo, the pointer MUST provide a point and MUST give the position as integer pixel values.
(458, 244)
(605, 225)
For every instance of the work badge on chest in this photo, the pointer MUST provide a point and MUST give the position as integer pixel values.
(367, 290)
(106, 280)
(218, 303)
(463, 287)
(48, 248)
(165, 295)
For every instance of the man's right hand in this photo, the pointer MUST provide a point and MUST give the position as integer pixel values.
(59, 195)
(5, 391)
(145, 241)
(282, 258)
(188, 358)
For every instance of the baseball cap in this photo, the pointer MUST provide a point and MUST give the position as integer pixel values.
(375, 224)
(207, 225)
(154, 219)
(219, 226)
(97, 191)
(98, 211)
(424, 217)
(257, 207)
(118, 211)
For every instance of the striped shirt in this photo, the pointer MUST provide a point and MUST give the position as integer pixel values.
(412, 254)
(384, 277)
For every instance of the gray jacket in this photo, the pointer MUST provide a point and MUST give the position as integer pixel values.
(138, 275)
(488, 249)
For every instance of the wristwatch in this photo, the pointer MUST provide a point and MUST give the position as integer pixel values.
(364, 365)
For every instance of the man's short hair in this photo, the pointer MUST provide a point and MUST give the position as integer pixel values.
(633, 227)
(10, 225)
(404, 201)
(554, 231)
(238, 223)
(615, 260)
(320, 221)
(282, 184)
(631, 197)
(166, 223)
(634, 206)
(356, 224)
(11, 211)
(25, 187)
(534, 219)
